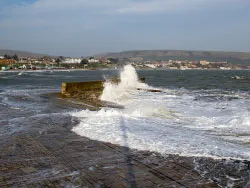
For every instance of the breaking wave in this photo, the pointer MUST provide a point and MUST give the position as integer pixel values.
(169, 122)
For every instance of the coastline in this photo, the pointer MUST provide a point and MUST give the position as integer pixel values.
(43, 151)
(72, 70)
(48, 153)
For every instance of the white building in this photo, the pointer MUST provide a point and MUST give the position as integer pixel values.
(1, 57)
(72, 60)
(183, 68)
(204, 62)
(225, 68)
(23, 67)
(150, 65)
(92, 60)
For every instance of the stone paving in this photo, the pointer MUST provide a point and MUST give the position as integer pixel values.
(59, 158)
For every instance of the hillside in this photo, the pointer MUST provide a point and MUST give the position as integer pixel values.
(21, 53)
(145, 55)
(158, 55)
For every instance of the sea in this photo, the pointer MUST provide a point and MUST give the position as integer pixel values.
(203, 114)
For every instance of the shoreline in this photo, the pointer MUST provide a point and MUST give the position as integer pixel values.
(97, 104)
(45, 152)
(59, 157)
(71, 70)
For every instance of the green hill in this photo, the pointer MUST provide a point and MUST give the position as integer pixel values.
(21, 53)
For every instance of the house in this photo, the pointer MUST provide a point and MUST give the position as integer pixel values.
(204, 62)
(174, 68)
(7, 61)
(225, 68)
(23, 67)
(102, 60)
(183, 68)
(72, 60)
(150, 65)
(93, 60)
(157, 64)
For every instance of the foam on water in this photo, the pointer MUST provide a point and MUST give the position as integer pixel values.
(171, 122)
(41, 121)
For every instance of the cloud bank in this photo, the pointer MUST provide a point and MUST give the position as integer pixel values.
(113, 25)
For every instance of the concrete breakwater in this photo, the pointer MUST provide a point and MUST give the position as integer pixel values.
(86, 90)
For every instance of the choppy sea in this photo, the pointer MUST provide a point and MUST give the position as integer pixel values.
(199, 113)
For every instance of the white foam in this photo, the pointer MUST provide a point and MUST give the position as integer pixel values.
(144, 131)
(120, 93)
(171, 122)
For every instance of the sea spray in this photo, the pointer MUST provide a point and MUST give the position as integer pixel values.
(119, 93)
(169, 122)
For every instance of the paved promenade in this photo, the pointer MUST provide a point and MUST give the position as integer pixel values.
(56, 157)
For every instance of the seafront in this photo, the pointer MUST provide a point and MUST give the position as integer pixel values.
(44, 140)
(202, 62)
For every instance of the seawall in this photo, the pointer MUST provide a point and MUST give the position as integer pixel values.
(86, 90)
(82, 89)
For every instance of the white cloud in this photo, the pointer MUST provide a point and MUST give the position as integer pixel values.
(152, 6)
(159, 6)
(48, 12)
(64, 24)
(104, 6)
(54, 12)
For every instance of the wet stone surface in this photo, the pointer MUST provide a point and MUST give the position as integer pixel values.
(56, 157)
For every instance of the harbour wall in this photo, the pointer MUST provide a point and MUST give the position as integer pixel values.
(86, 90)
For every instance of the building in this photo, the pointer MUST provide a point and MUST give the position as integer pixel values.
(7, 61)
(225, 68)
(72, 60)
(204, 63)
(174, 68)
(183, 68)
(150, 65)
(23, 67)
(157, 64)
(102, 60)
(93, 60)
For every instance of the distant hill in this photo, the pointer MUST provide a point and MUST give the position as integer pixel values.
(21, 53)
(146, 55)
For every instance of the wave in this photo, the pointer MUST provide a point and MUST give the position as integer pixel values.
(169, 122)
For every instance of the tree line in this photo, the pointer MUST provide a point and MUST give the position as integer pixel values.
(15, 57)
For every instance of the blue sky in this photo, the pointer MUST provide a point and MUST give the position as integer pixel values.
(84, 27)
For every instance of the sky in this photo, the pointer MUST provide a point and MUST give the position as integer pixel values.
(87, 27)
